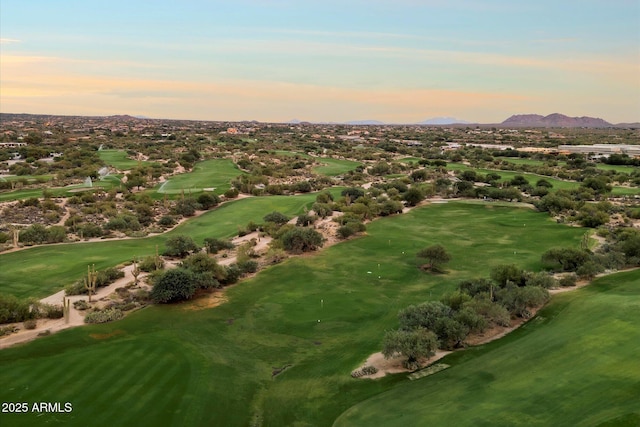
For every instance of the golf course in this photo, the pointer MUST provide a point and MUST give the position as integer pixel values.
(279, 351)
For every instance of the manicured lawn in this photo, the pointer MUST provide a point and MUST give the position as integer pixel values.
(558, 184)
(576, 363)
(333, 167)
(109, 182)
(43, 270)
(319, 315)
(215, 173)
(120, 160)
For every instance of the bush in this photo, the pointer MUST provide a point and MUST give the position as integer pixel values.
(214, 245)
(186, 207)
(277, 217)
(568, 280)
(180, 246)
(30, 324)
(13, 309)
(208, 201)
(51, 311)
(174, 285)
(231, 193)
(300, 240)
(89, 230)
(247, 267)
(305, 220)
(151, 263)
(81, 305)
(104, 316)
(166, 221)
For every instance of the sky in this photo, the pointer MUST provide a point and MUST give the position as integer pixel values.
(396, 61)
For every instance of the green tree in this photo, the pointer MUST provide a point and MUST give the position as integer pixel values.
(433, 257)
(413, 196)
(298, 240)
(276, 217)
(177, 284)
(180, 246)
(413, 344)
(505, 273)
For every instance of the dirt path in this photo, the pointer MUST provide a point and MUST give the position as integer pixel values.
(76, 317)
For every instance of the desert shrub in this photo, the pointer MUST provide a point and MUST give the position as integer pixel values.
(350, 228)
(589, 269)
(568, 280)
(305, 220)
(208, 201)
(30, 324)
(277, 217)
(89, 230)
(214, 245)
(103, 316)
(233, 274)
(323, 210)
(186, 207)
(81, 305)
(4, 237)
(518, 300)
(107, 276)
(231, 193)
(180, 246)
(300, 240)
(166, 221)
(151, 263)
(50, 311)
(13, 309)
(34, 234)
(248, 266)
(565, 259)
(174, 285)
(275, 255)
(7, 330)
(541, 279)
(123, 223)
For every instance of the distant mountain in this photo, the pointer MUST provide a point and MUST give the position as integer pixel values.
(364, 122)
(443, 121)
(555, 120)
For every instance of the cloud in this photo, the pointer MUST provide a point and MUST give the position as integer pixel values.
(9, 41)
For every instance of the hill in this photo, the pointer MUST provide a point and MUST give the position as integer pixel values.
(555, 120)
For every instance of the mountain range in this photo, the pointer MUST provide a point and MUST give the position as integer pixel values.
(555, 120)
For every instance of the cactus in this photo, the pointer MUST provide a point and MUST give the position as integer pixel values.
(16, 235)
(66, 307)
(90, 280)
(158, 260)
(135, 272)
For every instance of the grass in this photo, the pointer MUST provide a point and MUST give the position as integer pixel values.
(43, 270)
(9, 196)
(558, 184)
(120, 160)
(334, 167)
(215, 173)
(322, 314)
(574, 364)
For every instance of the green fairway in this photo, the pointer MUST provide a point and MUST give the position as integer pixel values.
(576, 363)
(558, 184)
(43, 270)
(105, 184)
(120, 160)
(215, 173)
(333, 167)
(318, 316)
